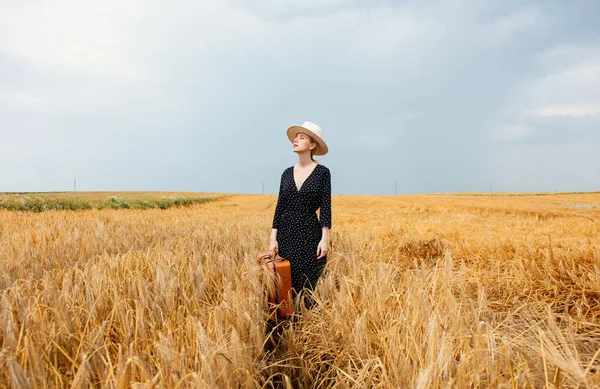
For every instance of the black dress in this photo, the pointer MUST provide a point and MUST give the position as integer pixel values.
(299, 230)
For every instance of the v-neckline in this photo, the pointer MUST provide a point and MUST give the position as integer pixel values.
(303, 182)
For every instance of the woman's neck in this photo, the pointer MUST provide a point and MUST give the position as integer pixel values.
(304, 160)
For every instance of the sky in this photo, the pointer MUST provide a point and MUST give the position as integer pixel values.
(412, 96)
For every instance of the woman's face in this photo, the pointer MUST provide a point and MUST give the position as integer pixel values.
(301, 143)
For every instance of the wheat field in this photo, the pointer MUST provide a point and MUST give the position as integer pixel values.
(428, 291)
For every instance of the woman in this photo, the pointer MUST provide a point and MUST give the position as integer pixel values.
(298, 235)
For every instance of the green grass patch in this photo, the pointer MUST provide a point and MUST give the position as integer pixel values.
(46, 202)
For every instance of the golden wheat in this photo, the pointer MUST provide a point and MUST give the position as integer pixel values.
(429, 291)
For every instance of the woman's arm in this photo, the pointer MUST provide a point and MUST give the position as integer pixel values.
(273, 245)
(278, 210)
(325, 234)
(322, 248)
(325, 201)
(325, 215)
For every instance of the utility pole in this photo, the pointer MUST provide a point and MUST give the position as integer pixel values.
(263, 190)
(490, 188)
(396, 188)
(74, 184)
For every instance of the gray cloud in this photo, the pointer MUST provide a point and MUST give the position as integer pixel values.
(197, 97)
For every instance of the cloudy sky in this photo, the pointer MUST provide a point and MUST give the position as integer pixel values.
(436, 96)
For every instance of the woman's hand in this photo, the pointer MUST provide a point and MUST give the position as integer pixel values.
(273, 248)
(322, 249)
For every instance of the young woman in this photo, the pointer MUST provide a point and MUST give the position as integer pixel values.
(298, 235)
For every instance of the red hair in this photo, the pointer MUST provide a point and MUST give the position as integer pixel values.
(312, 152)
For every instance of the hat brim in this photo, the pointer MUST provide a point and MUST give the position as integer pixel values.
(294, 130)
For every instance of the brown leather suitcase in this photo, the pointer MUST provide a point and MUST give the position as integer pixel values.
(279, 284)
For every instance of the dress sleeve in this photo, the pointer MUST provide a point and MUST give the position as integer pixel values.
(280, 204)
(325, 213)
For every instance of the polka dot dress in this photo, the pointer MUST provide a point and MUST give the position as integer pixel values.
(299, 230)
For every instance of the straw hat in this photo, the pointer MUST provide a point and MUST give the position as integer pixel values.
(314, 131)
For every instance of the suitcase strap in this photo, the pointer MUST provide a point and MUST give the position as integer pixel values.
(276, 285)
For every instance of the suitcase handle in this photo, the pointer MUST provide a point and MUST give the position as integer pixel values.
(268, 258)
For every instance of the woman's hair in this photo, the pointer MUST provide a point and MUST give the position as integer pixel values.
(312, 152)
